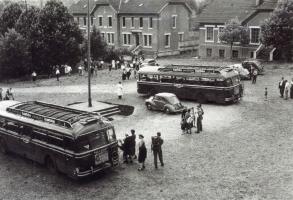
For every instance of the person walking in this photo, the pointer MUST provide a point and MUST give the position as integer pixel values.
(281, 87)
(199, 119)
(57, 73)
(133, 143)
(80, 70)
(266, 94)
(34, 76)
(142, 152)
(119, 90)
(286, 90)
(156, 147)
(291, 89)
(127, 147)
(9, 94)
(254, 76)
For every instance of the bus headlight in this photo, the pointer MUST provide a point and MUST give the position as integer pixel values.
(76, 171)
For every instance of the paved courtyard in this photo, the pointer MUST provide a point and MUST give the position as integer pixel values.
(244, 152)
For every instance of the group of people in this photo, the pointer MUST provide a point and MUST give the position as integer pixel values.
(128, 146)
(8, 94)
(189, 117)
(286, 88)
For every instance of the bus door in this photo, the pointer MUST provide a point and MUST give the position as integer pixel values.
(26, 136)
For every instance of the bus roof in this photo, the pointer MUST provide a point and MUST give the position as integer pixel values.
(189, 70)
(64, 120)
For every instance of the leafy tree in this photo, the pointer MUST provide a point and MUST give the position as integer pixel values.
(9, 17)
(14, 55)
(58, 37)
(277, 30)
(234, 32)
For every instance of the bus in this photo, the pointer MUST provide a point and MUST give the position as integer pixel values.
(204, 83)
(70, 141)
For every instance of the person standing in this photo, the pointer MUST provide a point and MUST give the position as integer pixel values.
(281, 87)
(254, 76)
(57, 73)
(34, 76)
(266, 94)
(1, 97)
(119, 90)
(133, 143)
(127, 147)
(199, 119)
(286, 90)
(291, 89)
(142, 152)
(156, 147)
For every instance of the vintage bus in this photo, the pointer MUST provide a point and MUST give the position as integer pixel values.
(66, 140)
(204, 83)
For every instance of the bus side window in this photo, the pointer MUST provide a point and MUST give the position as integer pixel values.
(26, 130)
(12, 126)
(40, 135)
(166, 79)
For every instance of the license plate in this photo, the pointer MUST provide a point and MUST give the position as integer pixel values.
(101, 156)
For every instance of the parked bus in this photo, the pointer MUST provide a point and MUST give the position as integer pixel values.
(66, 140)
(205, 83)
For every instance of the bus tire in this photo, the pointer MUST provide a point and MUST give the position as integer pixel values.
(149, 106)
(50, 165)
(167, 110)
(201, 98)
(3, 146)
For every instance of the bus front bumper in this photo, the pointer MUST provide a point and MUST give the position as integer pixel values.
(91, 171)
(234, 98)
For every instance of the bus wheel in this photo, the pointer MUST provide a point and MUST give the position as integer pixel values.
(149, 106)
(167, 110)
(51, 165)
(201, 98)
(3, 146)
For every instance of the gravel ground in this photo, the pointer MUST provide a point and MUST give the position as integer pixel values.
(244, 152)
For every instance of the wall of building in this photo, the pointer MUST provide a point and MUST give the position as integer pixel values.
(165, 26)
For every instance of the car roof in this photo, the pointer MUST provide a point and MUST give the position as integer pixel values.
(165, 94)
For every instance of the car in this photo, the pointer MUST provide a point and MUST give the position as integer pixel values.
(256, 64)
(149, 62)
(166, 102)
(243, 73)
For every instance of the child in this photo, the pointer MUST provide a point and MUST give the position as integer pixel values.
(266, 94)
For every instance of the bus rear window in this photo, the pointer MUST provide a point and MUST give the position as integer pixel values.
(92, 141)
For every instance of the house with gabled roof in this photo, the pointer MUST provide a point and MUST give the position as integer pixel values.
(153, 26)
(250, 13)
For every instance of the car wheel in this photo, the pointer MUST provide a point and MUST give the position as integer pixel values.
(51, 166)
(3, 146)
(167, 111)
(149, 106)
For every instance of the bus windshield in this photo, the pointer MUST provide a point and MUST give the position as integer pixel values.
(91, 141)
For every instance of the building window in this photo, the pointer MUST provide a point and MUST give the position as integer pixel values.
(126, 38)
(174, 18)
(92, 20)
(110, 21)
(251, 54)
(150, 22)
(209, 52)
(110, 38)
(132, 22)
(167, 40)
(181, 37)
(84, 21)
(103, 36)
(100, 21)
(254, 35)
(209, 34)
(220, 31)
(147, 40)
(234, 54)
(141, 22)
(222, 53)
(123, 22)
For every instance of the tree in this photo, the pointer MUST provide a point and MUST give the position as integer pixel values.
(9, 17)
(58, 37)
(14, 55)
(234, 32)
(277, 30)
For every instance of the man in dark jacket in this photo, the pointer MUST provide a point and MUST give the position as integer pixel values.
(127, 148)
(157, 143)
(282, 84)
(132, 144)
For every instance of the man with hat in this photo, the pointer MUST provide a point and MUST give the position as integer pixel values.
(199, 118)
(157, 143)
(142, 152)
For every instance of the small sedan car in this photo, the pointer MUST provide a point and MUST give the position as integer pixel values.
(253, 63)
(166, 102)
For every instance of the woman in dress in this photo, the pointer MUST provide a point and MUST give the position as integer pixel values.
(142, 152)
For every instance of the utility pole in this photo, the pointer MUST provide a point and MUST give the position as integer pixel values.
(89, 54)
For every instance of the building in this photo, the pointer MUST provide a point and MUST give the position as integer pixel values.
(250, 13)
(159, 27)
